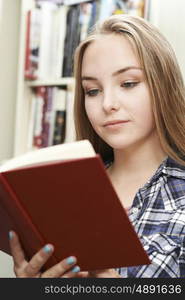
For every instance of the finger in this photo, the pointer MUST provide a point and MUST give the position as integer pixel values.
(105, 273)
(16, 249)
(61, 268)
(38, 260)
(76, 273)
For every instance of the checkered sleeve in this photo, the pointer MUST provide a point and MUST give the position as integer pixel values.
(182, 259)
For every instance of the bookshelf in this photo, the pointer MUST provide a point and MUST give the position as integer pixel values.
(26, 87)
(66, 81)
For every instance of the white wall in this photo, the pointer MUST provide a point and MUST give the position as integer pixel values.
(1, 1)
(169, 17)
(9, 33)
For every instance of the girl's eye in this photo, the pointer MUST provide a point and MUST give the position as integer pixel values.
(129, 84)
(92, 92)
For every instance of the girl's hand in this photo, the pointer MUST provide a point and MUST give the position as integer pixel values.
(23, 268)
(106, 273)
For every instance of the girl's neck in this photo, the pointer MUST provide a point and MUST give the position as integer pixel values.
(132, 168)
(142, 161)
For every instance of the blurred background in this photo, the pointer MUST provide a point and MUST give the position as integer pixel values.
(34, 75)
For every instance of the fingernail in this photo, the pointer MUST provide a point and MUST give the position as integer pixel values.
(70, 260)
(47, 248)
(10, 234)
(76, 269)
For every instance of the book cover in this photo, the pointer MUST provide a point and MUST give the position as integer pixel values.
(71, 203)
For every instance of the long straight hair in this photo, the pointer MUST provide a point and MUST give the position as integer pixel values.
(163, 77)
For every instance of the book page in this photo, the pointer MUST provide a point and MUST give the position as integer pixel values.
(78, 149)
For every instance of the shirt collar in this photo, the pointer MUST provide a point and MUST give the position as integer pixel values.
(173, 169)
(168, 167)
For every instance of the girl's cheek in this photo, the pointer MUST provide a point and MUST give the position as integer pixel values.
(90, 110)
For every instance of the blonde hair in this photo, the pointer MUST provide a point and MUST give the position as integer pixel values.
(163, 76)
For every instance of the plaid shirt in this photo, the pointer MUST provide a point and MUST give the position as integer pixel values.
(158, 216)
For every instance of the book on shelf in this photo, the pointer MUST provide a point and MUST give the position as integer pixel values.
(39, 106)
(70, 125)
(136, 7)
(47, 10)
(59, 116)
(47, 116)
(85, 18)
(45, 36)
(73, 2)
(63, 195)
(58, 39)
(72, 39)
(33, 32)
(54, 30)
(59, 2)
(48, 113)
(32, 120)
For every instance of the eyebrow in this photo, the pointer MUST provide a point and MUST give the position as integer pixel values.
(115, 73)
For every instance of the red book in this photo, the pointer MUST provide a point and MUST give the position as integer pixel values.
(63, 195)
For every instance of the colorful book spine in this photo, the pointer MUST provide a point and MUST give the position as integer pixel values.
(39, 113)
(32, 44)
(60, 117)
(54, 30)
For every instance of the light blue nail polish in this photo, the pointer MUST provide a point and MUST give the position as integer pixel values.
(76, 269)
(10, 234)
(70, 260)
(47, 248)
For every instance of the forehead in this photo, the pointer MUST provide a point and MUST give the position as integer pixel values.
(107, 53)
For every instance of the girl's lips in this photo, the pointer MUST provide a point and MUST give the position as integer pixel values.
(115, 125)
(116, 122)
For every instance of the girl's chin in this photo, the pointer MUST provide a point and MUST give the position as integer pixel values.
(117, 146)
(118, 142)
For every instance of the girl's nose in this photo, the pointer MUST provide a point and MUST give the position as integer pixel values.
(110, 101)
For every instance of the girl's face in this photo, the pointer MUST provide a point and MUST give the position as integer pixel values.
(117, 99)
